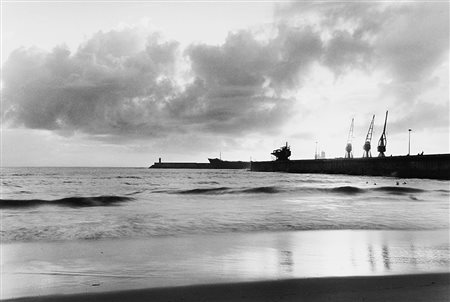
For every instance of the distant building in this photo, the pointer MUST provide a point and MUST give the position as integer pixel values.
(320, 155)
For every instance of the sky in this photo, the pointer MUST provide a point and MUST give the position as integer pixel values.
(98, 83)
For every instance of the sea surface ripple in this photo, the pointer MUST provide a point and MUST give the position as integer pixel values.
(47, 204)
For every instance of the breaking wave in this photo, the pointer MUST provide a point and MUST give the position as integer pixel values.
(346, 190)
(75, 202)
(269, 190)
(218, 190)
(399, 190)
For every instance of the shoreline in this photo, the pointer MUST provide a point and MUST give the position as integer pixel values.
(408, 287)
(73, 267)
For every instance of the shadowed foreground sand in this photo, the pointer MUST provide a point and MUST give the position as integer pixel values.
(422, 287)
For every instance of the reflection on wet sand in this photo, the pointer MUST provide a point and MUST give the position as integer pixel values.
(54, 267)
(371, 257)
(386, 261)
(286, 261)
(338, 253)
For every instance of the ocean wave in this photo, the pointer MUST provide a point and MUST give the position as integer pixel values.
(22, 174)
(75, 202)
(217, 190)
(345, 190)
(208, 183)
(131, 177)
(182, 228)
(135, 192)
(222, 190)
(399, 190)
(7, 184)
(24, 192)
(268, 190)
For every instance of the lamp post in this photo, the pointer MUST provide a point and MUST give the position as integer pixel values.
(409, 141)
(316, 155)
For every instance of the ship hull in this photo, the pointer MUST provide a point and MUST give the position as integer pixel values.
(224, 164)
(436, 166)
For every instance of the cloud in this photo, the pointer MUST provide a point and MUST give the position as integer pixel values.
(109, 86)
(128, 83)
(242, 82)
(243, 61)
(421, 117)
(118, 85)
(297, 48)
(404, 47)
(344, 53)
(416, 41)
(406, 41)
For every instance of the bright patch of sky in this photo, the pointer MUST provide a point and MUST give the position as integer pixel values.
(121, 84)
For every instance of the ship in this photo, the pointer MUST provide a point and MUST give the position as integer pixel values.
(214, 163)
(217, 163)
(283, 153)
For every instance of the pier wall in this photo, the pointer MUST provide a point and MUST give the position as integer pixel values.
(181, 165)
(435, 166)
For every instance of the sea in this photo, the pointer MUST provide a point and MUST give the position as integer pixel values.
(69, 230)
(54, 204)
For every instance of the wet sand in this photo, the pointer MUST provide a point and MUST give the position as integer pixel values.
(425, 287)
(312, 265)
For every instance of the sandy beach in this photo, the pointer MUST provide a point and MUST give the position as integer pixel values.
(280, 266)
(424, 287)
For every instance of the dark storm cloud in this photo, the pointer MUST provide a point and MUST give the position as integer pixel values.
(111, 85)
(345, 52)
(296, 48)
(240, 62)
(408, 40)
(416, 41)
(116, 85)
(242, 81)
(248, 64)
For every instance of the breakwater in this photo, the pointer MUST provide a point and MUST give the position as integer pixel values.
(181, 165)
(213, 164)
(435, 166)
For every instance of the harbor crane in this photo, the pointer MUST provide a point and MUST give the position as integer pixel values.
(366, 146)
(383, 142)
(348, 148)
